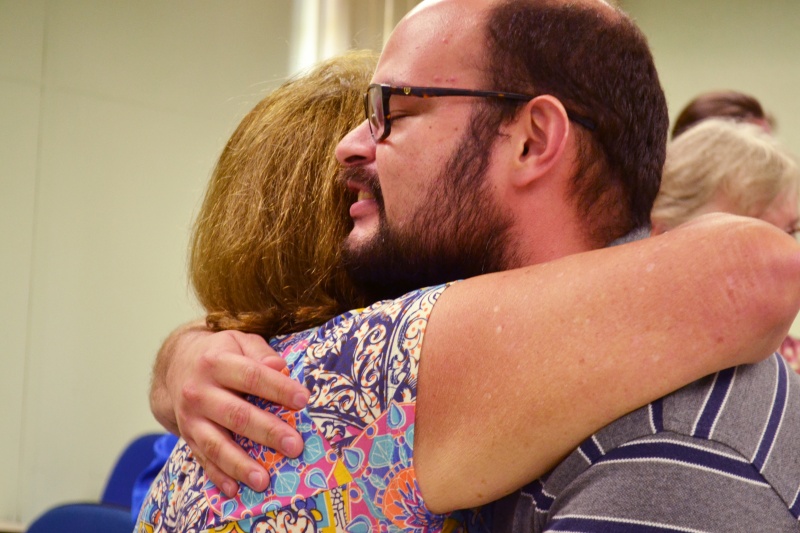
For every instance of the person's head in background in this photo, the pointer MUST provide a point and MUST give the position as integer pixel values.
(264, 255)
(725, 166)
(723, 104)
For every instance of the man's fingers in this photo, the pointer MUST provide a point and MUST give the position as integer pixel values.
(226, 484)
(237, 415)
(209, 405)
(275, 363)
(259, 426)
(254, 346)
(225, 462)
(245, 375)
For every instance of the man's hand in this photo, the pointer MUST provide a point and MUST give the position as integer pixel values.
(198, 382)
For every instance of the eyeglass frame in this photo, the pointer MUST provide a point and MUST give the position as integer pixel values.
(433, 92)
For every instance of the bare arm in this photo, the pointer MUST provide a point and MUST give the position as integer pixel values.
(519, 367)
(196, 392)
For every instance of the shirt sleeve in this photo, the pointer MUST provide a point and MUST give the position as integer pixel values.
(670, 483)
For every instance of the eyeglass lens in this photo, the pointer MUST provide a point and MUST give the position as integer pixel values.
(375, 114)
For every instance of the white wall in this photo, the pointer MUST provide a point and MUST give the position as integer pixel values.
(113, 114)
(744, 45)
(21, 43)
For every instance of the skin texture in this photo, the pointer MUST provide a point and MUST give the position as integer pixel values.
(598, 299)
(465, 340)
(593, 333)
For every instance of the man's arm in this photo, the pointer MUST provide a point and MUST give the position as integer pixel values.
(196, 392)
(568, 346)
(518, 367)
(160, 402)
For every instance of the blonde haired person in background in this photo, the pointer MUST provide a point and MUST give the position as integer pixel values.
(721, 165)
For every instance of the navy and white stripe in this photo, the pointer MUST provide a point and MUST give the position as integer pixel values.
(606, 524)
(656, 413)
(688, 455)
(795, 505)
(541, 499)
(722, 454)
(591, 450)
(776, 415)
(714, 404)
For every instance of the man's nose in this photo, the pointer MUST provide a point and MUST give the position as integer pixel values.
(357, 147)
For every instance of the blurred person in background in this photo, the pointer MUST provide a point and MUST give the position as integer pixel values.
(734, 105)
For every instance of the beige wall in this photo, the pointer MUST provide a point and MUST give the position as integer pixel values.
(727, 44)
(112, 114)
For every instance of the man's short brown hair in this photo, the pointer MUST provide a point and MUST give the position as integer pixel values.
(597, 63)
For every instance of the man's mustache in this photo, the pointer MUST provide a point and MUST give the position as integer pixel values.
(367, 179)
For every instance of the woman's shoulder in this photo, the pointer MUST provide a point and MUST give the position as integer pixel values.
(386, 331)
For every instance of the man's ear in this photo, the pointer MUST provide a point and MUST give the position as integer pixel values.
(540, 138)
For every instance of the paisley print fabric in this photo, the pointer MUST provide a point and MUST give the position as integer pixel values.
(356, 472)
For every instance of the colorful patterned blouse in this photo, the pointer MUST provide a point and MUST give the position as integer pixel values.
(356, 472)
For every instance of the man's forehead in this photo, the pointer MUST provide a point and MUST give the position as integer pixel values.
(437, 42)
(442, 41)
(484, 4)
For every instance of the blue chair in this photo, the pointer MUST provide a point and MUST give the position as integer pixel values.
(83, 517)
(134, 459)
(113, 513)
(162, 447)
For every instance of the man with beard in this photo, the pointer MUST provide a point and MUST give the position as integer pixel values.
(569, 169)
(565, 159)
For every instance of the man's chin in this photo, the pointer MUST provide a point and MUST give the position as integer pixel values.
(359, 238)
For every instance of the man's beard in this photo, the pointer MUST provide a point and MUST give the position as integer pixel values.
(460, 232)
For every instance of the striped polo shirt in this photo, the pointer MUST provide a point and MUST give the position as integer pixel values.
(722, 454)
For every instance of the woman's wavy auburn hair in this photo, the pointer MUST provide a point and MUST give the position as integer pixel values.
(264, 254)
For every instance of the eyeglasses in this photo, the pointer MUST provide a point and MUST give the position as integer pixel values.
(376, 104)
